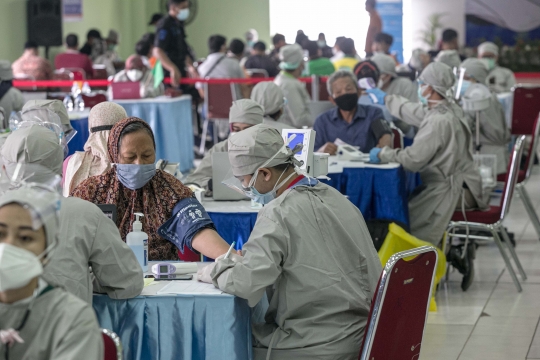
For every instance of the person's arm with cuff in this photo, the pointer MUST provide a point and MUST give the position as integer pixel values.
(382, 132)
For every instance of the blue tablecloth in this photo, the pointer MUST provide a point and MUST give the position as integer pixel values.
(171, 121)
(78, 141)
(378, 193)
(179, 327)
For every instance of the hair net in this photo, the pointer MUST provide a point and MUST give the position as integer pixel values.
(291, 57)
(246, 111)
(476, 69)
(251, 148)
(56, 106)
(269, 96)
(449, 57)
(439, 76)
(488, 47)
(385, 63)
(105, 114)
(6, 73)
(33, 145)
(43, 206)
(416, 59)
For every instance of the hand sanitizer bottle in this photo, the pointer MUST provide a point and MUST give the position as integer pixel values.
(137, 240)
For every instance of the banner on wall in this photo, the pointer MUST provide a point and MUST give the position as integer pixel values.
(391, 13)
(501, 20)
(72, 10)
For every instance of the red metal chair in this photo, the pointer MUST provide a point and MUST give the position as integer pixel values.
(491, 220)
(317, 89)
(398, 138)
(399, 309)
(78, 73)
(525, 110)
(218, 99)
(112, 345)
(257, 73)
(91, 100)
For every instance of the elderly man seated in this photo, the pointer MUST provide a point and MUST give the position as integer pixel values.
(500, 79)
(358, 125)
(390, 82)
(136, 71)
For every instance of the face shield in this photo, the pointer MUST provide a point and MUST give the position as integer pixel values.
(461, 84)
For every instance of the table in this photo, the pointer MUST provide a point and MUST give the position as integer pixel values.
(186, 326)
(507, 101)
(379, 191)
(79, 121)
(171, 122)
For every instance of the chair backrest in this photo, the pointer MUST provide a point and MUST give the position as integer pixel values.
(399, 308)
(532, 149)
(218, 99)
(92, 100)
(525, 110)
(63, 74)
(100, 71)
(511, 176)
(78, 73)
(398, 138)
(323, 91)
(257, 73)
(112, 345)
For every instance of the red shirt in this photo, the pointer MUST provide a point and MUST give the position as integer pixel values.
(74, 59)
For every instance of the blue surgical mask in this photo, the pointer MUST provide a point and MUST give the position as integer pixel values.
(134, 176)
(421, 97)
(464, 86)
(183, 15)
(264, 199)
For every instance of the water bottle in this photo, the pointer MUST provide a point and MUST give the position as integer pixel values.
(86, 88)
(75, 90)
(79, 103)
(68, 103)
(137, 240)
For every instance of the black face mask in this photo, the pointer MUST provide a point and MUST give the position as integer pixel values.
(347, 102)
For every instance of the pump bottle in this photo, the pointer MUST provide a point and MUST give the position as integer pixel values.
(137, 240)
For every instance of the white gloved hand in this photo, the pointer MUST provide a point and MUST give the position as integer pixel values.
(203, 274)
(232, 256)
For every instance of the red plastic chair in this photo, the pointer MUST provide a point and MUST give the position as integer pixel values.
(93, 99)
(525, 110)
(398, 138)
(317, 89)
(399, 309)
(78, 73)
(491, 220)
(218, 99)
(112, 345)
(257, 73)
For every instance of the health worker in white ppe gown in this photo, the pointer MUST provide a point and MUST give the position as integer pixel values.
(310, 251)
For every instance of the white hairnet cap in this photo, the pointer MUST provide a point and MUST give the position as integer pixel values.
(476, 69)
(488, 47)
(5, 70)
(439, 76)
(449, 57)
(246, 111)
(251, 148)
(385, 63)
(416, 61)
(33, 145)
(291, 57)
(113, 36)
(56, 106)
(269, 96)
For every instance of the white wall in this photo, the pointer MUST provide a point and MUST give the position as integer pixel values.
(415, 18)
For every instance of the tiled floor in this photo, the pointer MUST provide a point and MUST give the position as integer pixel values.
(492, 320)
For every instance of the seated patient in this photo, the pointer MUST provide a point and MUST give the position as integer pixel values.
(494, 133)
(87, 238)
(310, 252)
(94, 160)
(134, 185)
(136, 71)
(38, 320)
(357, 125)
(243, 114)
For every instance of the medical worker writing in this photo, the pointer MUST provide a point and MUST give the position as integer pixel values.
(310, 251)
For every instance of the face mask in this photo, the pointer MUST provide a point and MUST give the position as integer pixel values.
(134, 74)
(464, 86)
(347, 102)
(334, 51)
(250, 43)
(264, 199)
(17, 267)
(183, 15)
(135, 176)
(112, 47)
(321, 43)
(489, 63)
(423, 99)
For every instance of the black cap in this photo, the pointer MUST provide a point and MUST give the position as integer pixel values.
(155, 18)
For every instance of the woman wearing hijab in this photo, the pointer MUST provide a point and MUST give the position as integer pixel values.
(37, 320)
(94, 160)
(136, 71)
(134, 185)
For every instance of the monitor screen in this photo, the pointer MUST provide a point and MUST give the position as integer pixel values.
(298, 139)
(163, 269)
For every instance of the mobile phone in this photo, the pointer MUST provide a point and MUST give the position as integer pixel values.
(172, 277)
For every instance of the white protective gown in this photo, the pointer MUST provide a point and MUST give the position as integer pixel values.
(310, 250)
(296, 113)
(403, 87)
(59, 326)
(87, 238)
(442, 154)
(11, 101)
(501, 80)
(203, 173)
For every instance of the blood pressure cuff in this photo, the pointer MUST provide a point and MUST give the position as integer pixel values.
(189, 217)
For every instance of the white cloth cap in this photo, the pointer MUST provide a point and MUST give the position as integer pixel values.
(291, 57)
(251, 148)
(416, 61)
(488, 47)
(439, 76)
(246, 111)
(385, 63)
(449, 57)
(476, 69)
(5, 70)
(269, 96)
(56, 106)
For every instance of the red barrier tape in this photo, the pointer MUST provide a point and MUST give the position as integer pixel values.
(101, 83)
(528, 75)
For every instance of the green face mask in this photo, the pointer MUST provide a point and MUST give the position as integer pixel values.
(112, 47)
(489, 63)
